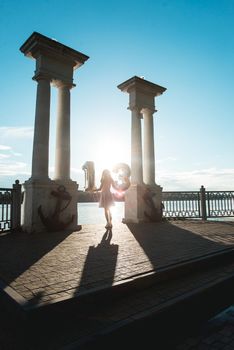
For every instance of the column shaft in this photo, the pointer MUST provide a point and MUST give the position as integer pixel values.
(40, 159)
(149, 159)
(62, 156)
(136, 148)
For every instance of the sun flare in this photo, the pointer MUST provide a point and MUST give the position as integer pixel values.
(107, 155)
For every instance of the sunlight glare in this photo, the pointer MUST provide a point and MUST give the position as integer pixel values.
(107, 155)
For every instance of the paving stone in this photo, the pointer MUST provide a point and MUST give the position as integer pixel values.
(46, 267)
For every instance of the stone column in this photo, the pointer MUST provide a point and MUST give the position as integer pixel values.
(40, 159)
(42, 208)
(62, 156)
(149, 159)
(136, 148)
(141, 101)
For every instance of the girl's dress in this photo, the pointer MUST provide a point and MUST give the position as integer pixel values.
(106, 197)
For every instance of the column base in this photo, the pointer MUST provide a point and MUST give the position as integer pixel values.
(143, 204)
(153, 203)
(49, 206)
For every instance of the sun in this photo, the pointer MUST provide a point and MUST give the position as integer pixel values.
(107, 155)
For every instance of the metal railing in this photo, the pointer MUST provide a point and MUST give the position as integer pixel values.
(177, 204)
(198, 204)
(181, 204)
(10, 208)
(220, 203)
(5, 209)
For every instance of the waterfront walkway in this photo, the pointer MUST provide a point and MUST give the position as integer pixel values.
(93, 284)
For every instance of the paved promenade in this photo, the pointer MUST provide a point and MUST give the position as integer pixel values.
(52, 268)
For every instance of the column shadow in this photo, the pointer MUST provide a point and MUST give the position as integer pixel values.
(19, 251)
(169, 244)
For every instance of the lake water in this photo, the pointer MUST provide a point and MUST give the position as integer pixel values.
(90, 213)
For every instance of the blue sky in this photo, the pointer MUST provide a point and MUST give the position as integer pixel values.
(184, 45)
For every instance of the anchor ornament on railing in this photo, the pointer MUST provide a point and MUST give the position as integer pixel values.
(52, 222)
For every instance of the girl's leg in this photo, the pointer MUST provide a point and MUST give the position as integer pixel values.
(108, 217)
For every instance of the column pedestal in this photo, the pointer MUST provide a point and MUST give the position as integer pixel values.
(36, 193)
(143, 204)
(69, 216)
(49, 206)
(134, 204)
(153, 203)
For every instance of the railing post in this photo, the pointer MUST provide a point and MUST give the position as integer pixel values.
(203, 202)
(16, 206)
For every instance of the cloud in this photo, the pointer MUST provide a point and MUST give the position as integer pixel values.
(4, 148)
(13, 169)
(211, 179)
(16, 154)
(9, 152)
(16, 131)
(3, 156)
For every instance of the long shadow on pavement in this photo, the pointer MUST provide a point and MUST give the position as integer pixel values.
(102, 259)
(19, 251)
(170, 243)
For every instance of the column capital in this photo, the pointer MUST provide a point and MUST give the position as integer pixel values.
(148, 110)
(62, 84)
(137, 110)
(42, 76)
(134, 108)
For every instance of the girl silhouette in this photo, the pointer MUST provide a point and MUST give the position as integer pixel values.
(106, 200)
